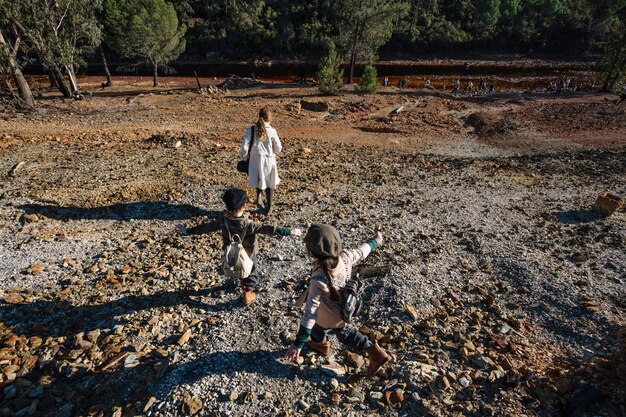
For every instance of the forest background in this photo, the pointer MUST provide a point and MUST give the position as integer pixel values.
(63, 35)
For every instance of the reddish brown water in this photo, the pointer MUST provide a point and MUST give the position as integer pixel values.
(504, 78)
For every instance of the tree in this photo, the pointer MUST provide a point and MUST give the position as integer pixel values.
(369, 81)
(613, 62)
(147, 30)
(486, 16)
(58, 31)
(9, 65)
(330, 73)
(367, 25)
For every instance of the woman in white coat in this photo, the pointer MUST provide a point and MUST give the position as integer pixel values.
(262, 171)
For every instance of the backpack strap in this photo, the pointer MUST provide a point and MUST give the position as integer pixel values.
(245, 230)
(243, 235)
(225, 224)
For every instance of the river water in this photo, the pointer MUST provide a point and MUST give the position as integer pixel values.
(505, 77)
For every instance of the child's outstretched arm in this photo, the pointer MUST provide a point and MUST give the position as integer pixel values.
(292, 232)
(267, 229)
(212, 226)
(366, 248)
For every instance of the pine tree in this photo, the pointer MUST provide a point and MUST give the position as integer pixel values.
(369, 82)
(366, 26)
(330, 73)
(486, 16)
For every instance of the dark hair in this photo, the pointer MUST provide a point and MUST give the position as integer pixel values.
(234, 199)
(328, 263)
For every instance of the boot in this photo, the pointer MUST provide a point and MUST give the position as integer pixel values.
(269, 192)
(378, 357)
(323, 348)
(259, 198)
(248, 295)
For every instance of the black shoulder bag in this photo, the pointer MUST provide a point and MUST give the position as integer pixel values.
(244, 166)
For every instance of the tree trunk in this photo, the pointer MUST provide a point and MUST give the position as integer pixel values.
(155, 79)
(355, 42)
(351, 70)
(109, 82)
(53, 81)
(60, 80)
(22, 85)
(605, 85)
(73, 82)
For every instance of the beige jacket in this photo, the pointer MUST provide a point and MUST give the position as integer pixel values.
(318, 307)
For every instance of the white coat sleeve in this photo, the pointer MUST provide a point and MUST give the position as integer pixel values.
(245, 144)
(278, 146)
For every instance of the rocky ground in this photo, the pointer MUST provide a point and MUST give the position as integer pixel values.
(498, 290)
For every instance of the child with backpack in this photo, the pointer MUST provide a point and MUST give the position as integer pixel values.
(326, 297)
(239, 236)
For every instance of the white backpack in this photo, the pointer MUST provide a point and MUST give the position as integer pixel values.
(236, 263)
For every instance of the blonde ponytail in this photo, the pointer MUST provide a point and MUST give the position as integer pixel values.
(265, 116)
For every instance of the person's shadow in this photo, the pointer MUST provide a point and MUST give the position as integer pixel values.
(261, 362)
(145, 210)
(578, 216)
(57, 318)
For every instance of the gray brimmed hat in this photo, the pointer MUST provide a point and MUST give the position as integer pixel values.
(234, 199)
(323, 240)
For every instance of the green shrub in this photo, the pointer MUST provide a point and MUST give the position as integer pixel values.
(330, 73)
(368, 83)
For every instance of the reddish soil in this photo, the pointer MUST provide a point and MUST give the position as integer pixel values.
(429, 119)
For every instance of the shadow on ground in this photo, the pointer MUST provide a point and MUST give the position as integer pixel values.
(97, 385)
(148, 210)
(578, 216)
(261, 362)
(61, 318)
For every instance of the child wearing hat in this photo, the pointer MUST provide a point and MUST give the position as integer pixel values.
(234, 222)
(332, 267)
